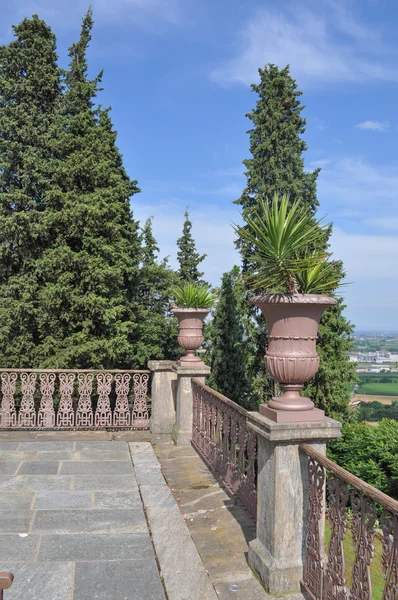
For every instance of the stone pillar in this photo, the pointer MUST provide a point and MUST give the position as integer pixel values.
(184, 408)
(163, 393)
(277, 553)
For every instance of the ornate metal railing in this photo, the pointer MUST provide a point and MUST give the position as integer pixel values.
(222, 438)
(353, 508)
(73, 399)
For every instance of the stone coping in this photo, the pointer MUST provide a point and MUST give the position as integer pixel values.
(286, 432)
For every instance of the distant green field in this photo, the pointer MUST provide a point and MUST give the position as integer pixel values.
(378, 389)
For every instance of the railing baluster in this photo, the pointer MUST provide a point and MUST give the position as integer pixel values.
(27, 412)
(389, 559)
(335, 583)
(84, 413)
(103, 413)
(8, 414)
(121, 415)
(46, 416)
(140, 416)
(364, 515)
(66, 415)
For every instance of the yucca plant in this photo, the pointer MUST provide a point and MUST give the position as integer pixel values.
(193, 295)
(286, 260)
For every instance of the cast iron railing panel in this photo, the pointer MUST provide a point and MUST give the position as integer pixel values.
(368, 509)
(222, 438)
(73, 399)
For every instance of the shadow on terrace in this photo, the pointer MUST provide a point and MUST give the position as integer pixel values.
(106, 495)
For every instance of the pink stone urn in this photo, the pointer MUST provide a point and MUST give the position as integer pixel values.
(190, 335)
(291, 357)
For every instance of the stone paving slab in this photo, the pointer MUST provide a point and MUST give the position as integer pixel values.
(40, 580)
(99, 468)
(132, 580)
(130, 499)
(45, 446)
(15, 500)
(89, 521)
(62, 500)
(108, 482)
(9, 467)
(13, 547)
(19, 483)
(92, 548)
(16, 521)
(102, 445)
(40, 467)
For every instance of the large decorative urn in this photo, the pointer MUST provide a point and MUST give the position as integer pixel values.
(190, 335)
(291, 358)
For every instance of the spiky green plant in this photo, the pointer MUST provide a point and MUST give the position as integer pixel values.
(284, 238)
(193, 295)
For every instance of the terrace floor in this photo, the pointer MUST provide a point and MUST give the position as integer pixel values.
(88, 517)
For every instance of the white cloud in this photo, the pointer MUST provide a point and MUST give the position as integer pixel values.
(326, 47)
(350, 182)
(370, 262)
(374, 125)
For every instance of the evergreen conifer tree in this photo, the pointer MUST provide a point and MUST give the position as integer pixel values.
(277, 166)
(228, 349)
(157, 331)
(188, 257)
(88, 278)
(30, 94)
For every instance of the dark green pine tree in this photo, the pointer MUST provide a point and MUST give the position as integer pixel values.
(228, 349)
(277, 166)
(187, 255)
(88, 300)
(157, 330)
(30, 93)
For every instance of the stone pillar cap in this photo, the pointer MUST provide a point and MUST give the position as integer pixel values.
(200, 371)
(161, 365)
(298, 432)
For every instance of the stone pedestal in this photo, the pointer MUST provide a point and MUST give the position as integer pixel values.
(184, 407)
(163, 393)
(277, 554)
(289, 416)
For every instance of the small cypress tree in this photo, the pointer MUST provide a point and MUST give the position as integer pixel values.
(30, 93)
(228, 349)
(188, 257)
(157, 331)
(277, 166)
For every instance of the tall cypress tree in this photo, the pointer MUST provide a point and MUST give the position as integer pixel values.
(157, 331)
(228, 348)
(88, 278)
(187, 255)
(30, 93)
(277, 166)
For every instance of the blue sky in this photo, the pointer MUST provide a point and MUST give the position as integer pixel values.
(178, 74)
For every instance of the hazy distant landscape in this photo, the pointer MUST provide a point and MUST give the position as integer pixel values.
(376, 393)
